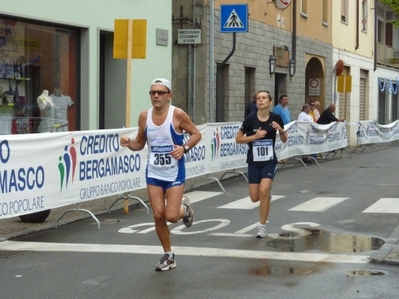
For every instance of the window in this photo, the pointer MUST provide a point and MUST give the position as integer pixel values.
(380, 31)
(388, 28)
(344, 11)
(388, 34)
(41, 60)
(364, 15)
(325, 12)
(304, 7)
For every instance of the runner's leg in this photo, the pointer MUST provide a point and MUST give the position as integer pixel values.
(156, 196)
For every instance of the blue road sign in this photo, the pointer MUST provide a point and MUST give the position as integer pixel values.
(234, 18)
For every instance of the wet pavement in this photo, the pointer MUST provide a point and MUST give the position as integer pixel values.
(387, 250)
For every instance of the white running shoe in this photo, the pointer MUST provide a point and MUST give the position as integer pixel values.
(261, 232)
(166, 263)
(188, 219)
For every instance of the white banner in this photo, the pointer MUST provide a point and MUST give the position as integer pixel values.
(371, 132)
(225, 154)
(50, 170)
(306, 138)
(196, 158)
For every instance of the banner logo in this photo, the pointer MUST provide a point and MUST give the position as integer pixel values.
(215, 145)
(67, 165)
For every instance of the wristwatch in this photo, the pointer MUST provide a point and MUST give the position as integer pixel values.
(186, 148)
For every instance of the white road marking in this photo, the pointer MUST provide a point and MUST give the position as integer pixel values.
(246, 203)
(232, 235)
(319, 204)
(196, 196)
(248, 228)
(187, 251)
(240, 233)
(384, 205)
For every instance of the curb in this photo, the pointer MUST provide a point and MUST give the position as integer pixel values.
(389, 252)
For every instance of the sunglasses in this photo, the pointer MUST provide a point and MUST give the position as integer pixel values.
(159, 92)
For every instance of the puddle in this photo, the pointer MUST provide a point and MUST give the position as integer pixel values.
(364, 272)
(325, 241)
(266, 271)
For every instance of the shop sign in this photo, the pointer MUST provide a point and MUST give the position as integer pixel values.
(33, 44)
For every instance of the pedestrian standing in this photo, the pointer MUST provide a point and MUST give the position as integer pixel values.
(282, 109)
(305, 116)
(251, 108)
(316, 110)
(328, 116)
(259, 131)
(312, 111)
(162, 127)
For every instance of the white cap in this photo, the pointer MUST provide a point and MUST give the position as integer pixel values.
(163, 82)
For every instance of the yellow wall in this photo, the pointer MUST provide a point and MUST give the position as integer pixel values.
(311, 24)
(344, 34)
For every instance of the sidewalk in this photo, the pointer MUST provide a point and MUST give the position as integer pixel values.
(14, 227)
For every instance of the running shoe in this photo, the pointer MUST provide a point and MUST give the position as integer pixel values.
(261, 232)
(188, 218)
(166, 263)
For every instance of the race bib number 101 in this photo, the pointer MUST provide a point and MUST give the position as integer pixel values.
(262, 150)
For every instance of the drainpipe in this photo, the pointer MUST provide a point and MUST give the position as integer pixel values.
(375, 35)
(357, 25)
(189, 80)
(294, 25)
(194, 69)
(211, 59)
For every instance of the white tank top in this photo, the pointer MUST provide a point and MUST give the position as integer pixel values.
(160, 139)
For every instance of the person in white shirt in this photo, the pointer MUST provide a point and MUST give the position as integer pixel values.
(161, 128)
(304, 115)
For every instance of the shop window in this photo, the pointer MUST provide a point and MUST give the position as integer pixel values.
(37, 60)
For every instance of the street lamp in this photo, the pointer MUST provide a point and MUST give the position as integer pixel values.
(272, 64)
(291, 67)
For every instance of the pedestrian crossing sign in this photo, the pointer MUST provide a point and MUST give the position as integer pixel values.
(234, 18)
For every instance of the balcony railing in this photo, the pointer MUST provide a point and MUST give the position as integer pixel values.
(387, 55)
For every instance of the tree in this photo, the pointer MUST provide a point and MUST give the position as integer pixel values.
(394, 5)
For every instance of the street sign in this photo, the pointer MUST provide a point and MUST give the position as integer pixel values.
(189, 36)
(234, 18)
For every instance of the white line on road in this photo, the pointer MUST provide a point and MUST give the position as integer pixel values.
(246, 203)
(196, 196)
(189, 251)
(319, 204)
(384, 205)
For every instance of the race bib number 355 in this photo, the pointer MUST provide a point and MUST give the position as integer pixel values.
(160, 156)
(262, 150)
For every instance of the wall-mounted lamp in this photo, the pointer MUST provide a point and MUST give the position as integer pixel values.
(291, 67)
(272, 64)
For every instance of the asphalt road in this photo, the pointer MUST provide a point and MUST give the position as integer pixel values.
(324, 225)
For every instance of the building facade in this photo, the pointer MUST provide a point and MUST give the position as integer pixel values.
(297, 36)
(67, 50)
(313, 34)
